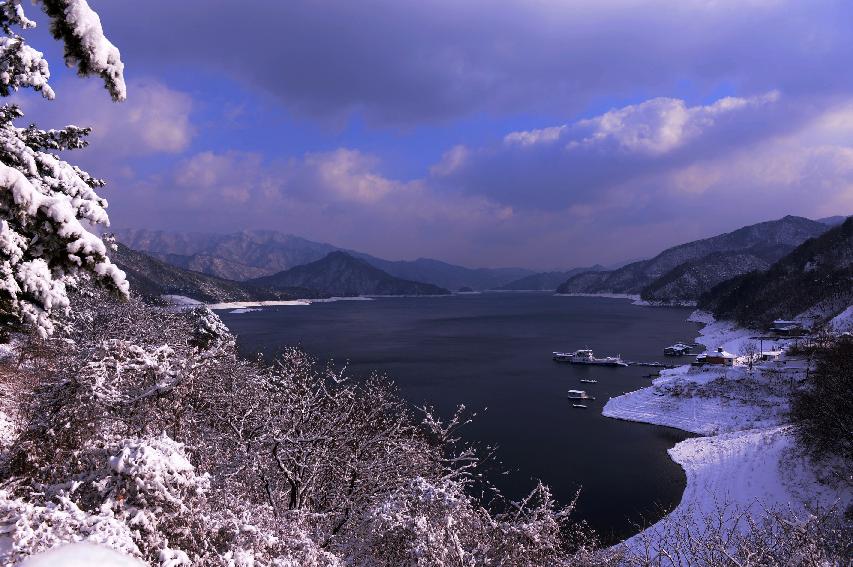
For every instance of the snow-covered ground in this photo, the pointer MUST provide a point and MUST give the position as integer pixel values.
(843, 322)
(747, 459)
(81, 555)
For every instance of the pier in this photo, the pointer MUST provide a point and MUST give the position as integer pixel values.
(651, 364)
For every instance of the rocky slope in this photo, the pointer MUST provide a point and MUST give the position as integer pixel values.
(756, 244)
(256, 253)
(341, 274)
(816, 277)
(149, 277)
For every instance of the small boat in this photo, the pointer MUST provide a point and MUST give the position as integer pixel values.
(579, 395)
(678, 349)
(585, 381)
(579, 406)
(586, 356)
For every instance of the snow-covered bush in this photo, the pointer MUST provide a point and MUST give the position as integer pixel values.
(47, 204)
(35, 527)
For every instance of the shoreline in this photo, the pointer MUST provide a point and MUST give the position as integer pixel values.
(745, 456)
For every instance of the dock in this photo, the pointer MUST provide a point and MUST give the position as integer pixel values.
(652, 364)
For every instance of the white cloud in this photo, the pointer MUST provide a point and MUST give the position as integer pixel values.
(154, 119)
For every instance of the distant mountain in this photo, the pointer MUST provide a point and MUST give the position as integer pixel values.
(447, 275)
(817, 276)
(237, 256)
(832, 221)
(149, 277)
(339, 273)
(681, 270)
(546, 281)
(256, 253)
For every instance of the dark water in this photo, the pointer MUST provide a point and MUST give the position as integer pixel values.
(494, 351)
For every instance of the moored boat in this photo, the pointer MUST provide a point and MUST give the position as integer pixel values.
(678, 349)
(586, 356)
(585, 381)
(579, 406)
(579, 395)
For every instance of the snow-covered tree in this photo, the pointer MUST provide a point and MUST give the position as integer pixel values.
(47, 205)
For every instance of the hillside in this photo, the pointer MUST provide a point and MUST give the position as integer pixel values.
(693, 278)
(149, 277)
(546, 281)
(256, 253)
(817, 276)
(764, 242)
(340, 274)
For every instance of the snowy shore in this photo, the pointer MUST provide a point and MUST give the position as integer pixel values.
(746, 459)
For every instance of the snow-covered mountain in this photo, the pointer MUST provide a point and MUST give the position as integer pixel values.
(684, 272)
(256, 253)
(814, 279)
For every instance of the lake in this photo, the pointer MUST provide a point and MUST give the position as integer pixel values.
(492, 352)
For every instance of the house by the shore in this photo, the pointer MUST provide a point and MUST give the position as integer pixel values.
(719, 357)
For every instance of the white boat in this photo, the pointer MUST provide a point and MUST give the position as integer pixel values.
(585, 381)
(578, 406)
(678, 349)
(579, 395)
(586, 356)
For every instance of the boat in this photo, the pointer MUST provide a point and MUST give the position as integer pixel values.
(586, 356)
(585, 381)
(578, 406)
(678, 349)
(579, 395)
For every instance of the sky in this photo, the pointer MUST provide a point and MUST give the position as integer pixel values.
(537, 133)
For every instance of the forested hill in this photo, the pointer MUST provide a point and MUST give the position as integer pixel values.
(151, 278)
(817, 276)
(680, 272)
(343, 275)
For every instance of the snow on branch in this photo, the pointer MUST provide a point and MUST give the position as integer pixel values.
(86, 46)
(44, 202)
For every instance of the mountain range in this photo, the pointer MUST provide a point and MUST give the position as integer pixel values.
(251, 254)
(152, 278)
(684, 272)
(341, 274)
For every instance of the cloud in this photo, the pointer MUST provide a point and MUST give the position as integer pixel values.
(154, 119)
(403, 63)
(590, 161)
(625, 183)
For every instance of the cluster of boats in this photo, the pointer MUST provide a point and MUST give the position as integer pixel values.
(586, 356)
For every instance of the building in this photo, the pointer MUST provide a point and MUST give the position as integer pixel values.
(719, 357)
(785, 328)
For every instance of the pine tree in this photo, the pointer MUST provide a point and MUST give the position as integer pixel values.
(48, 206)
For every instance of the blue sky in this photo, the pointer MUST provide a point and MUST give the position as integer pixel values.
(537, 133)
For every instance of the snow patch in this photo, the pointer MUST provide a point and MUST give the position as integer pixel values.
(81, 555)
(181, 301)
(843, 322)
